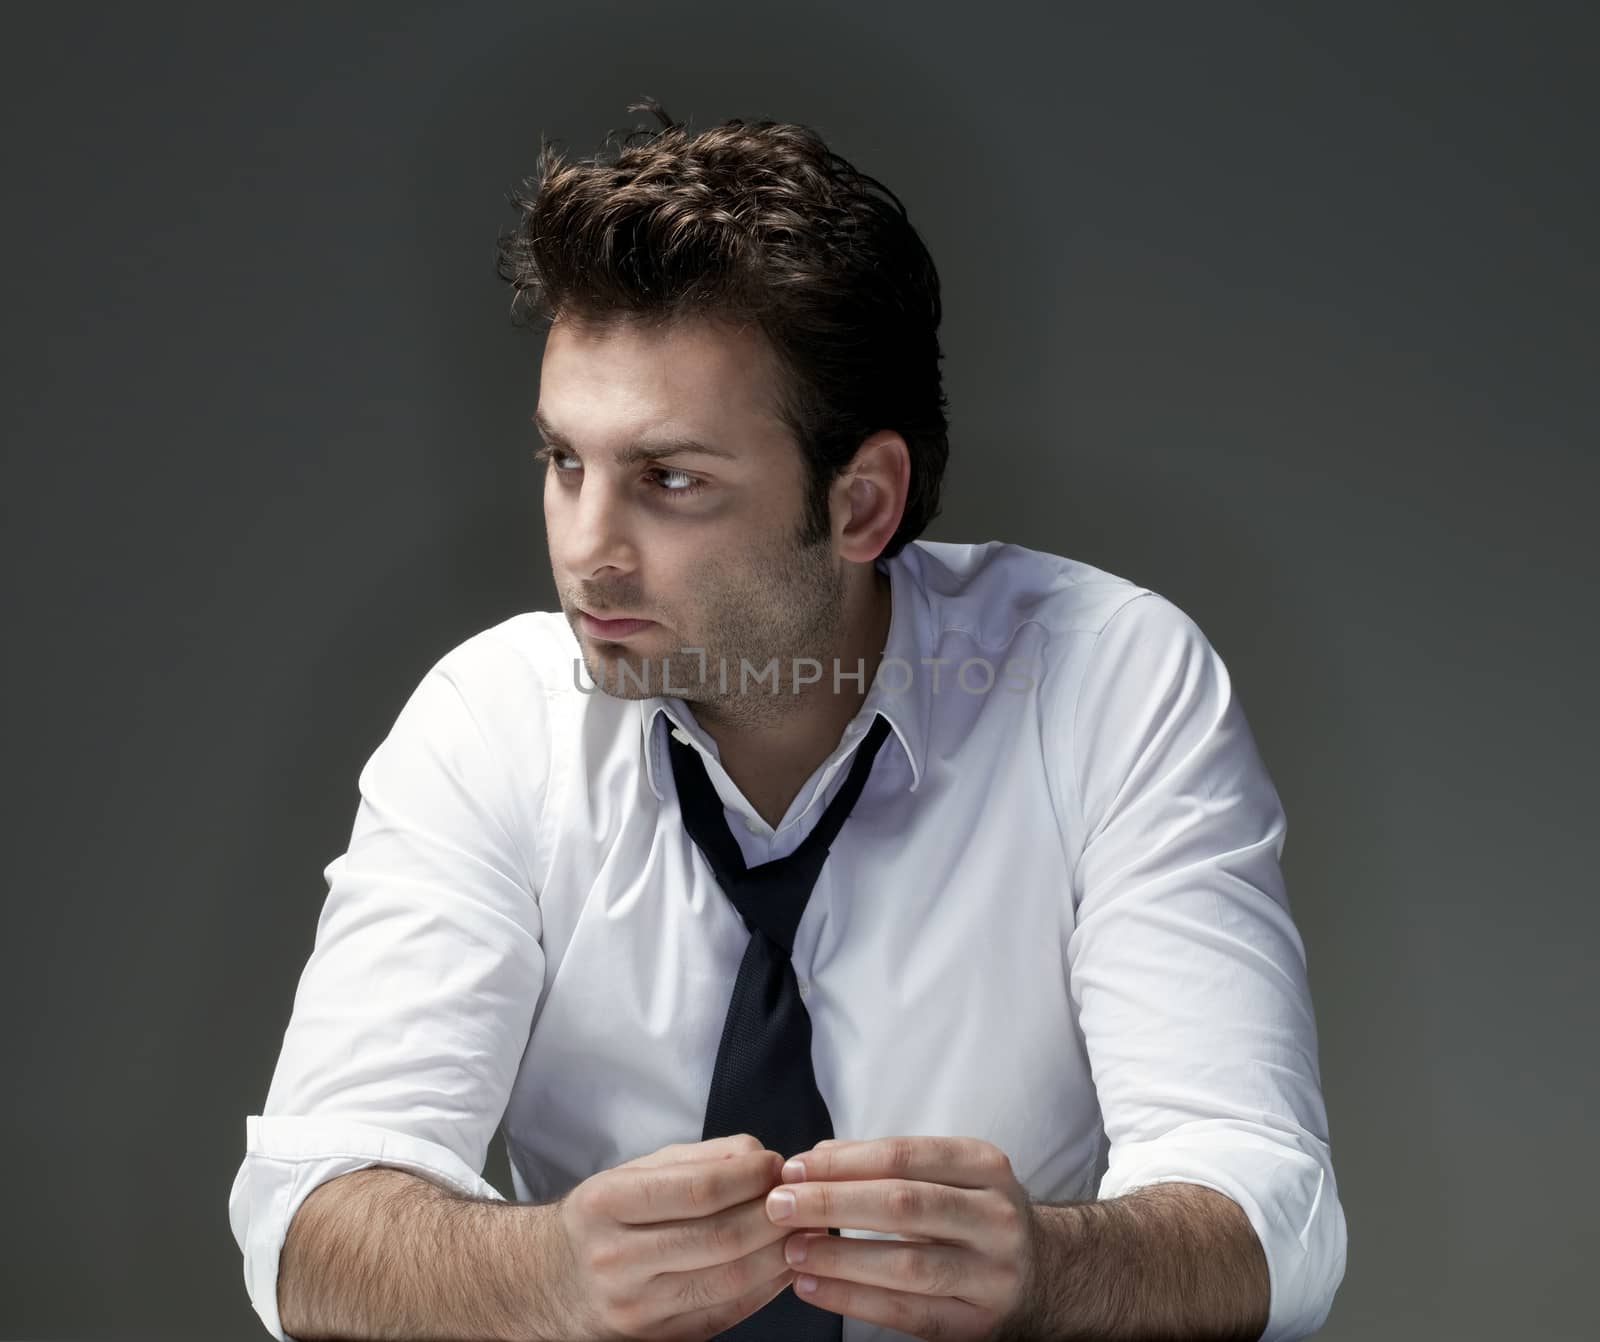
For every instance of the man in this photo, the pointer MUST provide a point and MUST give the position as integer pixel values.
(933, 888)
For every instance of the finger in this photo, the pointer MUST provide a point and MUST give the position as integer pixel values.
(687, 1189)
(675, 1296)
(903, 1311)
(704, 1242)
(898, 1206)
(961, 1162)
(922, 1269)
(717, 1148)
(788, 1228)
(703, 1323)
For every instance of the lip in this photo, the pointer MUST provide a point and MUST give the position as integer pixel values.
(612, 628)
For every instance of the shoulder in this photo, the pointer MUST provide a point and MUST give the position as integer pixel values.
(1096, 642)
(994, 588)
(524, 683)
(522, 660)
(495, 694)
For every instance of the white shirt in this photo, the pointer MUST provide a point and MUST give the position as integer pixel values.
(1054, 919)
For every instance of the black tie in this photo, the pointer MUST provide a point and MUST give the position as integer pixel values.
(763, 1082)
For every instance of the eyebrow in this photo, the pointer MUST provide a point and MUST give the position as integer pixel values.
(652, 450)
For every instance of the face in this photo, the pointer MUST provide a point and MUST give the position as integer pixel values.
(703, 541)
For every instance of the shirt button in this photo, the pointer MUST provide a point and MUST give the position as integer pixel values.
(805, 988)
(754, 826)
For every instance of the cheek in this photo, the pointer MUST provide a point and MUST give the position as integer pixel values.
(552, 528)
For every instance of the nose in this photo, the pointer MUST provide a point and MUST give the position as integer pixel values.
(589, 527)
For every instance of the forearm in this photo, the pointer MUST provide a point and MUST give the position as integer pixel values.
(1171, 1262)
(382, 1254)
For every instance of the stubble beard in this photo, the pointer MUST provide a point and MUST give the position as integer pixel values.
(790, 609)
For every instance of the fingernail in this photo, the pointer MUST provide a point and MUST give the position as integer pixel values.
(794, 1171)
(780, 1206)
(795, 1249)
(805, 1283)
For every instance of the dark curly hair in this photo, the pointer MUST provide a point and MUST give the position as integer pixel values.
(752, 222)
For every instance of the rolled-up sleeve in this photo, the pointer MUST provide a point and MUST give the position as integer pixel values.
(413, 1010)
(1187, 969)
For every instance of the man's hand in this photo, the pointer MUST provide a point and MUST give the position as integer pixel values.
(675, 1244)
(970, 1273)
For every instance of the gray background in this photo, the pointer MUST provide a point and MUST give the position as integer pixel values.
(1284, 311)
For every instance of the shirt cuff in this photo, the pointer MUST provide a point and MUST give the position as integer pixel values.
(1283, 1182)
(288, 1156)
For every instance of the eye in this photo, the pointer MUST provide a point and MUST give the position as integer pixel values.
(692, 485)
(556, 456)
(548, 454)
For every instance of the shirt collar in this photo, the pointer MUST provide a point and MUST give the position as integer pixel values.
(907, 709)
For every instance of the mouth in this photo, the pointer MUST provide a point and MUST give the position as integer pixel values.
(612, 629)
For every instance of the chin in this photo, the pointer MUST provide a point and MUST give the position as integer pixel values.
(600, 665)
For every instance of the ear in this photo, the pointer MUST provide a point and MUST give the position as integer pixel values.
(869, 497)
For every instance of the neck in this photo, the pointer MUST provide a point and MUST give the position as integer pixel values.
(775, 757)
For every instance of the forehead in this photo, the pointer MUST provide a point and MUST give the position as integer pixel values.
(626, 376)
